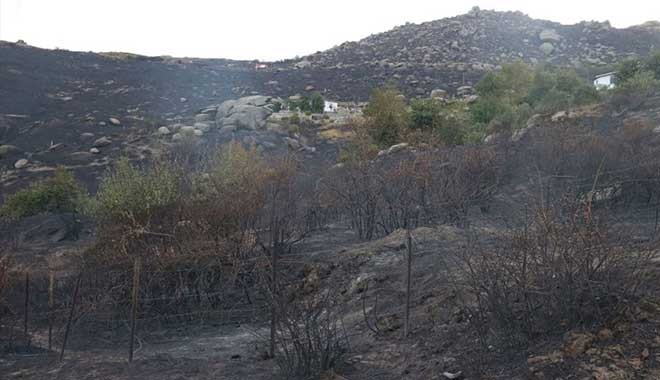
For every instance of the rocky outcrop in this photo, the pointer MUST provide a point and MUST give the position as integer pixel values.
(249, 113)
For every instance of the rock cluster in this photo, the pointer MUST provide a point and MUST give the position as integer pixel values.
(449, 53)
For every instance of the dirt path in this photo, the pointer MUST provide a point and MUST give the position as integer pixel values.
(214, 353)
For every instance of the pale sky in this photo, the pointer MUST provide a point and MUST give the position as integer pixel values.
(261, 29)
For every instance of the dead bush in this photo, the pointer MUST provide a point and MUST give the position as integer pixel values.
(5, 264)
(409, 189)
(563, 269)
(310, 336)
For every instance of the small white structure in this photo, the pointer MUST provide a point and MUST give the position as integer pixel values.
(604, 81)
(330, 106)
(260, 66)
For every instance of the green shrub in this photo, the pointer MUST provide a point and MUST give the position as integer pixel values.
(316, 103)
(628, 69)
(387, 116)
(60, 193)
(128, 194)
(653, 64)
(487, 109)
(423, 113)
(510, 96)
(635, 90)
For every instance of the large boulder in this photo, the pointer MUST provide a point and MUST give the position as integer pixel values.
(250, 117)
(187, 130)
(163, 131)
(249, 112)
(203, 126)
(547, 48)
(103, 141)
(20, 164)
(549, 35)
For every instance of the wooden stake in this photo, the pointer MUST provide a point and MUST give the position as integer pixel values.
(406, 329)
(27, 307)
(71, 311)
(134, 308)
(273, 306)
(51, 304)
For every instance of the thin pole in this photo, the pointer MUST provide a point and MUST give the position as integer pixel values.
(71, 311)
(273, 306)
(26, 309)
(406, 329)
(51, 304)
(134, 308)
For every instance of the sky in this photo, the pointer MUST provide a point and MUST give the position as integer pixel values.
(262, 29)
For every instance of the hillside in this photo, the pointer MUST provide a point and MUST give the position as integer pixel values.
(456, 51)
(212, 220)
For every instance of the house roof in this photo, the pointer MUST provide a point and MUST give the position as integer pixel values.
(605, 74)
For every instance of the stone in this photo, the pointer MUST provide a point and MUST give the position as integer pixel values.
(246, 116)
(164, 131)
(464, 91)
(202, 117)
(549, 35)
(393, 149)
(204, 127)
(519, 134)
(491, 138)
(533, 121)
(198, 133)
(292, 143)
(86, 136)
(187, 130)
(20, 164)
(114, 121)
(177, 137)
(309, 87)
(303, 64)
(547, 48)
(103, 141)
(559, 116)
(94, 151)
(438, 93)
(452, 376)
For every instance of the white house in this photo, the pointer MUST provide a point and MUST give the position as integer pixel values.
(604, 81)
(330, 106)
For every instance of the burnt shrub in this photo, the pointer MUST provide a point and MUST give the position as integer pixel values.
(565, 268)
(310, 337)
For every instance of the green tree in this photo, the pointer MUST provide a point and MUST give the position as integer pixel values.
(423, 113)
(628, 69)
(386, 115)
(653, 64)
(316, 103)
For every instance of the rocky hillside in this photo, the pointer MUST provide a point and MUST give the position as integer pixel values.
(84, 109)
(450, 52)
